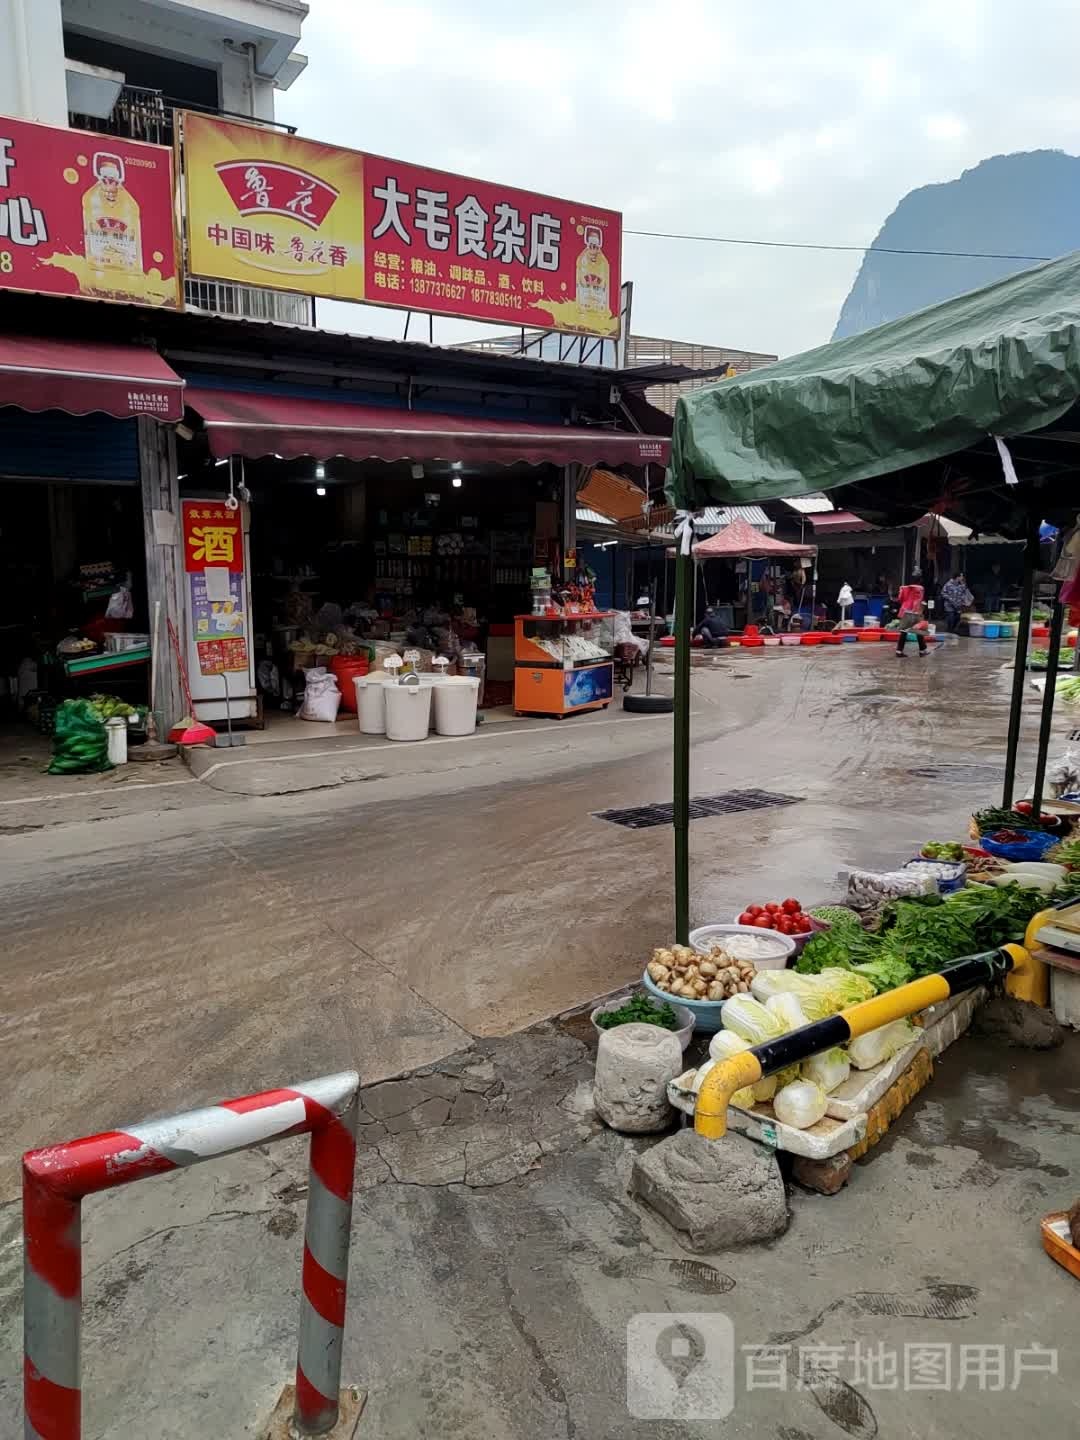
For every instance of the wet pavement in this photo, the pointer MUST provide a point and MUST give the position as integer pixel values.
(196, 945)
(499, 1265)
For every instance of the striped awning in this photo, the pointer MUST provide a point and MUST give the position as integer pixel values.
(716, 517)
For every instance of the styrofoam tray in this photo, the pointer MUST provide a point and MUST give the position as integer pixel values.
(828, 1137)
(864, 1088)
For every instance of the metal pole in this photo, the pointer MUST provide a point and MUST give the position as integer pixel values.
(1023, 639)
(1049, 696)
(58, 1177)
(326, 1273)
(684, 610)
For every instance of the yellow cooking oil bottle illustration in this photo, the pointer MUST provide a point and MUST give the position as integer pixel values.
(593, 275)
(112, 228)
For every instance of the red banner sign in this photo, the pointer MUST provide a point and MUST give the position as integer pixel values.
(213, 537)
(265, 208)
(84, 214)
(454, 246)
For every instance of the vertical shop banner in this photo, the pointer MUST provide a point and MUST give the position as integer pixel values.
(469, 248)
(214, 564)
(265, 208)
(85, 214)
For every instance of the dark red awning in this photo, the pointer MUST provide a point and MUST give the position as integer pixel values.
(252, 424)
(80, 376)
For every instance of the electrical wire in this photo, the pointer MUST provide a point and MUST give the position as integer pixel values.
(859, 249)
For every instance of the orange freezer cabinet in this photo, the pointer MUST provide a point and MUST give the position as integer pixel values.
(562, 664)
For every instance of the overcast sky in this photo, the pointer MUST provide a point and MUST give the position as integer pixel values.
(780, 121)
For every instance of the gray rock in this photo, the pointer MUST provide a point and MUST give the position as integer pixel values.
(633, 1066)
(717, 1194)
(1018, 1023)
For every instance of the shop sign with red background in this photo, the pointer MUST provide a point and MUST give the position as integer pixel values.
(214, 540)
(213, 536)
(455, 246)
(85, 214)
(266, 208)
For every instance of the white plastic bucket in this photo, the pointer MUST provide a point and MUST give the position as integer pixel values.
(408, 711)
(455, 700)
(117, 731)
(370, 707)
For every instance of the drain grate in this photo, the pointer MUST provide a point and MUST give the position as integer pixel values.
(959, 774)
(731, 802)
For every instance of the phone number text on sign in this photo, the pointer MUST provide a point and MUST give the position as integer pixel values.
(456, 246)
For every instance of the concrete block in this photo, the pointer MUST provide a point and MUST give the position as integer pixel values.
(716, 1194)
(633, 1066)
(1018, 1024)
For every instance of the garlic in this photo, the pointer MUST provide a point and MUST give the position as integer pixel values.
(707, 968)
(716, 991)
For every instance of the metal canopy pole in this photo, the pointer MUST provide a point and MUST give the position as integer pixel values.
(684, 619)
(1023, 639)
(1049, 696)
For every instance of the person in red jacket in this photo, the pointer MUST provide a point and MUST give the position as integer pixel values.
(910, 608)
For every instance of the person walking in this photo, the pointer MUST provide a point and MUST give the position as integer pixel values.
(910, 609)
(956, 597)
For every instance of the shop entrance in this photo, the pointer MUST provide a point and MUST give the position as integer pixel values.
(348, 557)
(73, 583)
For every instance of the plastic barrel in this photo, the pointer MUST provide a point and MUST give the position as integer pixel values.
(345, 669)
(370, 703)
(408, 711)
(455, 700)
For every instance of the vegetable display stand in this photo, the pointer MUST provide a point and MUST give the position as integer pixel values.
(563, 663)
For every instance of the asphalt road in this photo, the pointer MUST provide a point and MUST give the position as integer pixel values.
(186, 944)
(169, 945)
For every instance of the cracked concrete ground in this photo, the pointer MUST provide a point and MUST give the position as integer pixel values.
(498, 1258)
(185, 945)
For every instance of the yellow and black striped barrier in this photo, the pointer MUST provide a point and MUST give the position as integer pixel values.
(750, 1066)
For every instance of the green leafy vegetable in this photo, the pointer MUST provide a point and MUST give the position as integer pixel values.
(1039, 659)
(997, 819)
(886, 973)
(842, 947)
(639, 1009)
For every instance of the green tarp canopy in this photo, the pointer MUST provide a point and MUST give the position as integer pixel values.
(884, 414)
(895, 422)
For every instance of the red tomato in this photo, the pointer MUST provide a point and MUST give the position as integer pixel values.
(746, 918)
(785, 925)
(792, 907)
(773, 907)
(764, 922)
(753, 910)
(804, 924)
